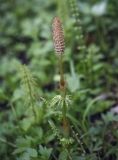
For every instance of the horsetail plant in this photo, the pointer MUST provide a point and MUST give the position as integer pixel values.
(28, 84)
(59, 45)
(31, 96)
(77, 25)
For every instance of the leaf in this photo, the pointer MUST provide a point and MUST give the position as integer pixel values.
(73, 80)
(45, 152)
(88, 108)
(99, 8)
(63, 155)
(109, 117)
(26, 123)
(19, 150)
(23, 142)
(32, 152)
(18, 93)
(29, 154)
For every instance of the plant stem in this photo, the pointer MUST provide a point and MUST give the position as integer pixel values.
(62, 85)
(8, 143)
(63, 95)
(61, 71)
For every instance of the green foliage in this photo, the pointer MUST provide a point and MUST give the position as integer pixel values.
(34, 115)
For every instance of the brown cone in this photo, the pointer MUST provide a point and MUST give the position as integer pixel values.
(58, 36)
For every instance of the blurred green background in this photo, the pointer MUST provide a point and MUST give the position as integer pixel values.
(26, 37)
